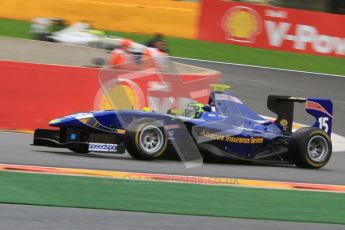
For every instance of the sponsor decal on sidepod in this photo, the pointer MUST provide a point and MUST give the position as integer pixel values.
(101, 147)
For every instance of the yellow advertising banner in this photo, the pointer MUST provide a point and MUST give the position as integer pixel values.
(170, 17)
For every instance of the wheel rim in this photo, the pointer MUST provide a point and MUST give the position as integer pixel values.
(151, 139)
(318, 148)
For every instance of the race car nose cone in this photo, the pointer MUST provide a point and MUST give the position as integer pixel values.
(54, 122)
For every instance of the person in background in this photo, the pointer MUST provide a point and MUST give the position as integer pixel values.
(157, 37)
(155, 56)
(157, 49)
(122, 54)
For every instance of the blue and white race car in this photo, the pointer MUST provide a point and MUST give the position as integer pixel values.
(225, 128)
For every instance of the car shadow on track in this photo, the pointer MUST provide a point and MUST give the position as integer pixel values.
(171, 158)
(88, 155)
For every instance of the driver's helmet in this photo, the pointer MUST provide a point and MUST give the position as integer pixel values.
(194, 109)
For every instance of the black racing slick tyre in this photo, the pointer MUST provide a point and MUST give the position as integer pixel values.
(146, 140)
(310, 148)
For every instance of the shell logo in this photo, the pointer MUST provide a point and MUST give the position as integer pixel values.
(118, 97)
(128, 99)
(242, 24)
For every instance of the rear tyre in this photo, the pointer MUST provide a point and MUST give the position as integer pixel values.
(146, 140)
(80, 149)
(310, 148)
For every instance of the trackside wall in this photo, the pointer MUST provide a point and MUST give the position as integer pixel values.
(173, 18)
(276, 28)
(33, 94)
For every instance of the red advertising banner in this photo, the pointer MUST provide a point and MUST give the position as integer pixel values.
(270, 27)
(33, 94)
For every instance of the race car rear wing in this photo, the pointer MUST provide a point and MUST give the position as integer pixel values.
(320, 109)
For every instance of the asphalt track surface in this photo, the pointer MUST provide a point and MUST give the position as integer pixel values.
(252, 85)
(52, 218)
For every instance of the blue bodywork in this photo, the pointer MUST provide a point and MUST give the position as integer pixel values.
(230, 125)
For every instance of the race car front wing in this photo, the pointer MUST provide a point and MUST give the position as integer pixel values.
(73, 138)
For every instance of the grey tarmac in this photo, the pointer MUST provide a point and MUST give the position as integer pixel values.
(25, 217)
(252, 85)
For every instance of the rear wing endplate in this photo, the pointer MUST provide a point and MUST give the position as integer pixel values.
(283, 106)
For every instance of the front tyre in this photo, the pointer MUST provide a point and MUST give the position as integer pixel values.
(146, 140)
(310, 148)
